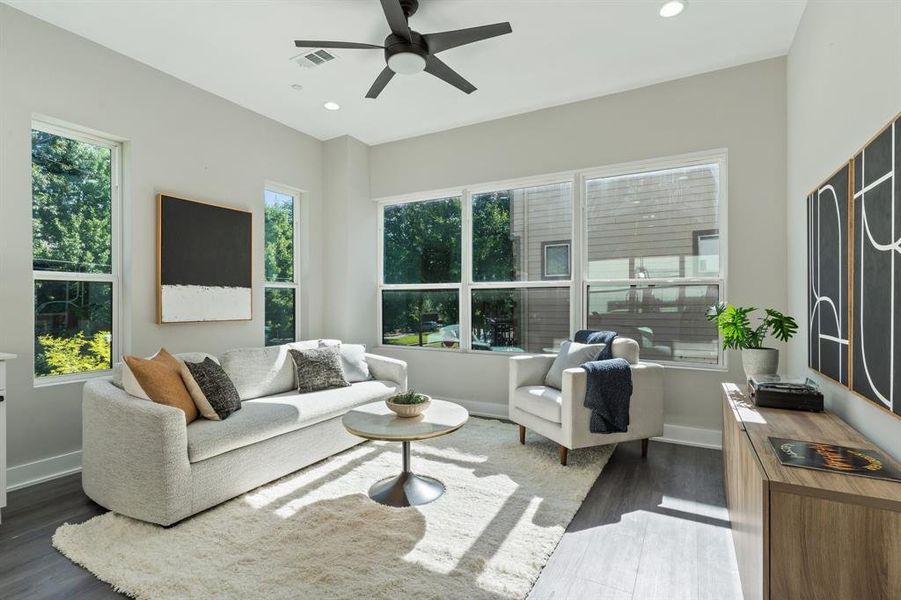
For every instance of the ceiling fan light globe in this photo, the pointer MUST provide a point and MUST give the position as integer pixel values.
(406, 63)
(672, 8)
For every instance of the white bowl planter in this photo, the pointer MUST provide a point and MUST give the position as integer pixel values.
(409, 410)
(760, 361)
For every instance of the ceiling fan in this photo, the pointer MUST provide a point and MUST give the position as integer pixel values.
(408, 52)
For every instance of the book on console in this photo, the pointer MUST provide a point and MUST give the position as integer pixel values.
(821, 456)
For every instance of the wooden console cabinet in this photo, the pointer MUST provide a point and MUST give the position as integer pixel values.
(802, 534)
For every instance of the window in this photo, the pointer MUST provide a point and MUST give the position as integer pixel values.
(519, 267)
(75, 229)
(556, 260)
(653, 260)
(281, 256)
(421, 268)
(514, 232)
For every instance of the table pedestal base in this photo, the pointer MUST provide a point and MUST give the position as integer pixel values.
(406, 489)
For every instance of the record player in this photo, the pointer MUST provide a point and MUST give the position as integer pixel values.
(773, 391)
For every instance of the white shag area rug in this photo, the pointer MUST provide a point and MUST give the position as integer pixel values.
(316, 533)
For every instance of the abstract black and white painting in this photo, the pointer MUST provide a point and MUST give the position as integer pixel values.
(828, 266)
(877, 269)
(204, 262)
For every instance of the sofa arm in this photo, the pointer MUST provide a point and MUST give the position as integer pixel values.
(135, 455)
(529, 370)
(388, 369)
(645, 407)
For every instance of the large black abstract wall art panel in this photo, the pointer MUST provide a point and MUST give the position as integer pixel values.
(828, 266)
(204, 262)
(877, 269)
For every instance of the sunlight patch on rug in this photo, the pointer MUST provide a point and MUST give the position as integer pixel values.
(316, 534)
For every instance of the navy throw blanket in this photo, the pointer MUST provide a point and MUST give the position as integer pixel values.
(591, 336)
(607, 394)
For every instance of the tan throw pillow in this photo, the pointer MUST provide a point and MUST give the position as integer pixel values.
(160, 378)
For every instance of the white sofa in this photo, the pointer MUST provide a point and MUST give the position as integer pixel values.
(561, 416)
(140, 460)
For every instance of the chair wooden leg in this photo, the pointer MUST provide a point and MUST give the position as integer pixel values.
(564, 452)
(644, 448)
(522, 434)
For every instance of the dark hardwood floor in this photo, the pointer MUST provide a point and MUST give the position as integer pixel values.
(649, 529)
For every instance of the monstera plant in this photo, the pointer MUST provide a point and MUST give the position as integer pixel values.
(739, 333)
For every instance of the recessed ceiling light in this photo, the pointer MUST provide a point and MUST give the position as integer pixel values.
(331, 106)
(672, 8)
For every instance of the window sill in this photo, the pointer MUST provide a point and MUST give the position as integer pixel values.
(55, 380)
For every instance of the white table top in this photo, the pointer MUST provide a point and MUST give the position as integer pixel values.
(375, 421)
(6, 356)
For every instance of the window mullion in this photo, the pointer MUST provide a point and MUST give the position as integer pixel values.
(578, 257)
(466, 269)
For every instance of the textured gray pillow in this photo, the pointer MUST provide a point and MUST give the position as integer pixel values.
(353, 361)
(318, 369)
(571, 355)
(215, 385)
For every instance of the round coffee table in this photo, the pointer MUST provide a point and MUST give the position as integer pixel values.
(375, 421)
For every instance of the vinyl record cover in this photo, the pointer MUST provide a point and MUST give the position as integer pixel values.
(837, 459)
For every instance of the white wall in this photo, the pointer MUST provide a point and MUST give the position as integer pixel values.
(843, 85)
(742, 109)
(350, 269)
(181, 140)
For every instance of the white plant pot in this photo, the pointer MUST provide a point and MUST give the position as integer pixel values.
(760, 361)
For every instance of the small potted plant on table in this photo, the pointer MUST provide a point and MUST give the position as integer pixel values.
(734, 323)
(408, 404)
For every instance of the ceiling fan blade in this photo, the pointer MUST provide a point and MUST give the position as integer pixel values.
(444, 40)
(397, 20)
(327, 44)
(440, 70)
(380, 82)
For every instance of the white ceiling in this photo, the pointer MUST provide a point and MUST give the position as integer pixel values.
(559, 52)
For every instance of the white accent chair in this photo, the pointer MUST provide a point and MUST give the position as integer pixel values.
(561, 416)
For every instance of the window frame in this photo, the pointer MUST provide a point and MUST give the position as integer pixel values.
(114, 277)
(718, 157)
(578, 281)
(295, 283)
(544, 261)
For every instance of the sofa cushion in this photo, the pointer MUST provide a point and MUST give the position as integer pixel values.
(318, 369)
(539, 400)
(213, 392)
(258, 372)
(353, 361)
(572, 354)
(267, 417)
(159, 378)
(118, 368)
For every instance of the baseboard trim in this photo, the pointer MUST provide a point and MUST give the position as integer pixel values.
(39, 471)
(491, 410)
(691, 436)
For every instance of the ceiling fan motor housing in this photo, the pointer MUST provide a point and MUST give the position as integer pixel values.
(401, 50)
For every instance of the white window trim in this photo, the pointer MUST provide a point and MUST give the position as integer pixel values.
(718, 157)
(545, 248)
(578, 282)
(295, 284)
(114, 277)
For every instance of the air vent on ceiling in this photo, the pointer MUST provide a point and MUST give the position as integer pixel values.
(316, 58)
